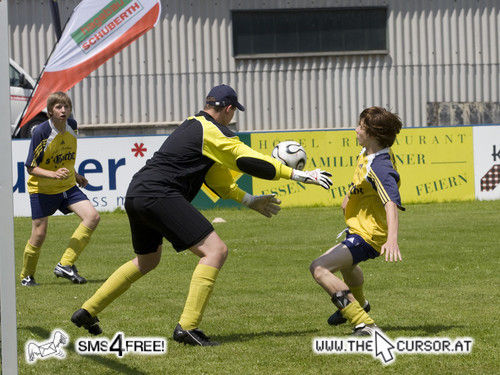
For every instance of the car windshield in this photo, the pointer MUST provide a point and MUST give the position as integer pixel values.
(17, 79)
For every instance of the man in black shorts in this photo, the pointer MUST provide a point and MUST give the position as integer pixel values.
(201, 150)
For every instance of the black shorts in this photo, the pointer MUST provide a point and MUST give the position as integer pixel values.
(176, 219)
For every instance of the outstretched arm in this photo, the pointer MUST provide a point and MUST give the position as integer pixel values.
(315, 177)
(220, 181)
(235, 155)
(391, 247)
(267, 205)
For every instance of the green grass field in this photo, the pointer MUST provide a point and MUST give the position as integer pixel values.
(266, 309)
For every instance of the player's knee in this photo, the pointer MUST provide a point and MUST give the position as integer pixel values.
(222, 252)
(218, 254)
(147, 265)
(37, 241)
(154, 263)
(93, 220)
(38, 236)
(317, 270)
(96, 218)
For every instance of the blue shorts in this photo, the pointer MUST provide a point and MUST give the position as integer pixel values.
(43, 205)
(359, 248)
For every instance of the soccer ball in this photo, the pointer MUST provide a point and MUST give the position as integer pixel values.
(290, 153)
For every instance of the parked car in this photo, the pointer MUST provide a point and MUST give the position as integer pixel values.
(21, 86)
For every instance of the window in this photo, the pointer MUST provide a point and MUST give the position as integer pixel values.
(17, 79)
(309, 31)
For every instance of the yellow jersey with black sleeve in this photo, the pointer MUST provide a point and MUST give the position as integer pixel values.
(202, 150)
(220, 180)
(50, 149)
(375, 182)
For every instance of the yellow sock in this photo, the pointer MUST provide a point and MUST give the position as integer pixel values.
(112, 288)
(202, 284)
(78, 241)
(30, 260)
(357, 292)
(355, 314)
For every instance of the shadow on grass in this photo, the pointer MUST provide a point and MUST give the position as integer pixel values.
(430, 329)
(67, 282)
(239, 337)
(112, 364)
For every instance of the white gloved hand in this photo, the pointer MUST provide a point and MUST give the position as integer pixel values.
(267, 205)
(316, 177)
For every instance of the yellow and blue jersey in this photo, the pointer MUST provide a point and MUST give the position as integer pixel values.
(201, 151)
(375, 182)
(50, 149)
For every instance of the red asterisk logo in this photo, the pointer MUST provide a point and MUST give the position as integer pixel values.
(139, 149)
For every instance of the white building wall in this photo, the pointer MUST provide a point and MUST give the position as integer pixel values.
(439, 51)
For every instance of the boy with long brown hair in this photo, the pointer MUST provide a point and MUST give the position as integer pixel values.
(371, 214)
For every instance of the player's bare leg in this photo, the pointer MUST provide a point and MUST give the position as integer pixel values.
(38, 231)
(147, 262)
(211, 250)
(337, 258)
(323, 268)
(86, 212)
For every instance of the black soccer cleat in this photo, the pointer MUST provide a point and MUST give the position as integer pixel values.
(29, 281)
(336, 318)
(70, 273)
(194, 337)
(82, 318)
(365, 329)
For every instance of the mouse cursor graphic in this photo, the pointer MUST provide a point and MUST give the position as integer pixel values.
(383, 348)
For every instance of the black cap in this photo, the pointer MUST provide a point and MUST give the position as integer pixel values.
(222, 96)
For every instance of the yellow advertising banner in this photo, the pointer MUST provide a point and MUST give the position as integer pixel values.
(334, 151)
(435, 164)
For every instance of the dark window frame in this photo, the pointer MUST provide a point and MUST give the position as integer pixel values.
(301, 53)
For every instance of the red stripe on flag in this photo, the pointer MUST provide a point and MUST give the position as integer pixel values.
(63, 80)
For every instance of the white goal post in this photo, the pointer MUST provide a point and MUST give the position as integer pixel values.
(7, 264)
